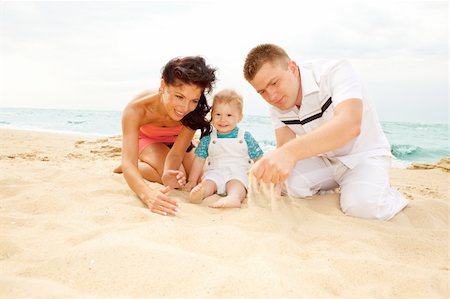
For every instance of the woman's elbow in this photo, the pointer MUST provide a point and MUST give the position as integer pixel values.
(128, 167)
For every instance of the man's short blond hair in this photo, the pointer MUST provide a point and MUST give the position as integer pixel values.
(228, 96)
(261, 54)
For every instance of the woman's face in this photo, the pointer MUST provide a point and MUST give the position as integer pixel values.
(180, 99)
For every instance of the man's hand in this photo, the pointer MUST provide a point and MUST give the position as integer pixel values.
(274, 167)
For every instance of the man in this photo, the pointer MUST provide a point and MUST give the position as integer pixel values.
(327, 132)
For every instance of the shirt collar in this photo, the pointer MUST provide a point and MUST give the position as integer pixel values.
(309, 84)
(230, 134)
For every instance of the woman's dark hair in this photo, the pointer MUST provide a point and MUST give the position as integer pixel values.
(192, 70)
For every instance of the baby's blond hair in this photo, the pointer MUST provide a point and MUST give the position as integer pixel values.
(228, 96)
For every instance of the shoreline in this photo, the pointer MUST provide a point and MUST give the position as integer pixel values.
(59, 132)
(396, 163)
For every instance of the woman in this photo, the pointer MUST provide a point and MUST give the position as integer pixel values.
(158, 128)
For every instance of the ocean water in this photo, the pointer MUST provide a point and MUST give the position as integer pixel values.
(410, 142)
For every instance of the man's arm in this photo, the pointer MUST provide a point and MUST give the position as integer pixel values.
(284, 135)
(277, 165)
(341, 129)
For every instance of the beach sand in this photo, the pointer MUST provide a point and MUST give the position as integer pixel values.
(71, 228)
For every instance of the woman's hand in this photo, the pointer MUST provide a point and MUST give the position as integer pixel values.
(174, 178)
(160, 203)
(189, 185)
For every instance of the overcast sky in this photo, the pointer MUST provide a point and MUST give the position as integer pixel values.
(98, 55)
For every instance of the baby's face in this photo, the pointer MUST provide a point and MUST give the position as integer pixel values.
(225, 117)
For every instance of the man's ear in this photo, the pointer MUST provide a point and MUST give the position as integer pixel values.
(293, 67)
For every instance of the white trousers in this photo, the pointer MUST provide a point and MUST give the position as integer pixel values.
(222, 176)
(365, 190)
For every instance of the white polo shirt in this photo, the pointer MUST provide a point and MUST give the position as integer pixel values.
(325, 84)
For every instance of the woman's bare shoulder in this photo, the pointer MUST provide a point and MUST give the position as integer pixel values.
(144, 97)
(145, 94)
(142, 100)
(139, 109)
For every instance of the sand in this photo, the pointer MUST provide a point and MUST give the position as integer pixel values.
(71, 228)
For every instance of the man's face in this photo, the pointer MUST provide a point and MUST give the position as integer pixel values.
(278, 84)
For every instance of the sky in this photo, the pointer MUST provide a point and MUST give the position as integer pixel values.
(99, 55)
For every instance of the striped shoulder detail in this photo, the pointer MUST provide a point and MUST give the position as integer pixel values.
(312, 117)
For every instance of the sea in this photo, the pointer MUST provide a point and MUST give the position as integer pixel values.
(410, 141)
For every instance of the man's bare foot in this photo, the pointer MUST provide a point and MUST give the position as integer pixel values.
(226, 202)
(197, 194)
(118, 169)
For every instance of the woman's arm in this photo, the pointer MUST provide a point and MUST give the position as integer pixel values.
(172, 175)
(156, 200)
(196, 172)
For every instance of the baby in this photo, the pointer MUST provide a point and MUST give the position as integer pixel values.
(229, 153)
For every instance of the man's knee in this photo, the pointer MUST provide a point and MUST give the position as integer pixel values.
(371, 202)
(299, 187)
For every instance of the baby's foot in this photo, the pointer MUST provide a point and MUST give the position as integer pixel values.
(118, 169)
(197, 194)
(226, 202)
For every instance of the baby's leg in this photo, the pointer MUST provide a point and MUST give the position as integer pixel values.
(201, 191)
(236, 193)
